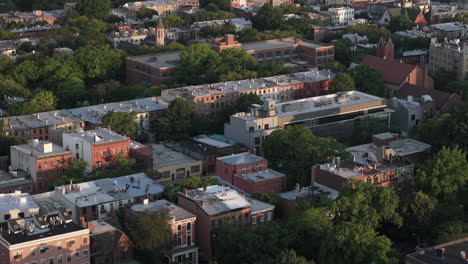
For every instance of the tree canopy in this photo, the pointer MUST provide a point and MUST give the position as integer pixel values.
(99, 9)
(341, 83)
(121, 122)
(368, 80)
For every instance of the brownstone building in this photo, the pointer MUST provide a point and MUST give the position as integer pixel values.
(109, 244)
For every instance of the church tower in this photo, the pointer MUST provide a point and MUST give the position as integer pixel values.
(385, 49)
(160, 32)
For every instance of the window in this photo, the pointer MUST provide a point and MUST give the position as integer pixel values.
(269, 214)
(33, 251)
(85, 239)
(267, 126)
(43, 249)
(70, 243)
(51, 260)
(18, 255)
(43, 261)
(189, 240)
(85, 253)
(251, 129)
(98, 165)
(77, 255)
(68, 257)
(7, 217)
(254, 220)
(60, 259)
(413, 117)
(77, 146)
(179, 228)
(257, 140)
(189, 226)
(262, 218)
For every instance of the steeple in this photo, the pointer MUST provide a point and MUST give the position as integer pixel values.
(160, 32)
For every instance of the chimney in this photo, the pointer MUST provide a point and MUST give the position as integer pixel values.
(185, 191)
(202, 203)
(90, 226)
(145, 201)
(82, 221)
(204, 188)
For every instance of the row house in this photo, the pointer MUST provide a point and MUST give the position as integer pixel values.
(214, 206)
(45, 126)
(109, 244)
(29, 18)
(250, 173)
(43, 161)
(181, 225)
(160, 6)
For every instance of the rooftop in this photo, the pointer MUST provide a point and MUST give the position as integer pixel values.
(314, 189)
(241, 159)
(414, 52)
(109, 190)
(325, 102)
(93, 114)
(159, 60)
(451, 252)
(17, 201)
(100, 227)
(211, 23)
(37, 227)
(413, 33)
(217, 199)
(13, 178)
(44, 119)
(257, 206)
(138, 5)
(40, 149)
(212, 142)
(392, 71)
(98, 136)
(262, 175)
(454, 26)
(156, 206)
(164, 155)
(402, 147)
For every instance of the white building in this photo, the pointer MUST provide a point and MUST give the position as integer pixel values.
(132, 36)
(341, 15)
(17, 205)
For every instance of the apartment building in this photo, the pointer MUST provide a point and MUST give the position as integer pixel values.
(182, 226)
(17, 205)
(13, 181)
(154, 69)
(47, 126)
(98, 147)
(146, 110)
(132, 36)
(328, 115)
(250, 173)
(450, 56)
(109, 244)
(98, 200)
(341, 15)
(43, 239)
(449, 31)
(29, 18)
(211, 98)
(160, 6)
(213, 206)
(257, 3)
(43, 161)
(171, 163)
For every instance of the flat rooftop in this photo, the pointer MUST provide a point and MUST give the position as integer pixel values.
(100, 227)
(257, 206)
(414, 52)
(108, 190)
(93, 114)
(17, 201)
(449, 26)
(212, 142)
(151, 3)
(263, 175)
(241, 159)
(158, 61)
(402, 147)
(44, 119)
(349, 169)
(40, 149)
(14, 178)
(432, 255)
(165, 156)
(325, 102)
(316, 188)
(265, 45)
(157, 206)
(98, 135)
(217, 199)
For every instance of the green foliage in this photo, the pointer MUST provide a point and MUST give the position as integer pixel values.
(41, 102)
(6, 142)
(99, 9)
(450, 231)
(11, 88)
(145, 12)
(405, 44)
(271, 198)
(217, 31)
(4, 35)
(219, 4)
(177, 123)
(294, 150)
(5, 63)
(75, 173)
(71, 92)
(197, 64)
(341, 83)
(121, 166)
(151, 232)
(194, 182)
(205, 15)
(343, 52)
(368, 80)
(401, 23)
(434, 131)
(334, 66)
(173, 20)
(372, 31)
(362, 132)
(268, 18)
(290, 257)
(417, 209)
(236, 61)
(444, 176)
(99, 62)
(121, 122)
(462, 17)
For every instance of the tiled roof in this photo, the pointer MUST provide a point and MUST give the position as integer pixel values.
(392, 70)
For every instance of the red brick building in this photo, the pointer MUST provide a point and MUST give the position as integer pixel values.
(44, 239)
(250, 173)
(143, 155)
(109, 244)
(213, 206)
(182, 225)
(43, 161)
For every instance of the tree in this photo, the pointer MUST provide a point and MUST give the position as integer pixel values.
(334, 66)
(238, 61)
(150, 232)
(271, 198)
(401, 23)
(27, 72)
(343, 52)
(121, 166)
(11, 88)
(179, 109)
(71, 92)
(294, 150)
(5, 63)
(245, 101)
(99, 62)
(290, 257)
(99, 9)
(177, 123)
(358, 243)
(198, 64)
(417, 209)
(145, 12)
(121, 122)
(445, 175)
(368, 80)
(372, 31)
(268, 18)
(44, 101)
(4, 35)
(6, 142)
(341, 83)
(459, 87)
(173, 20)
